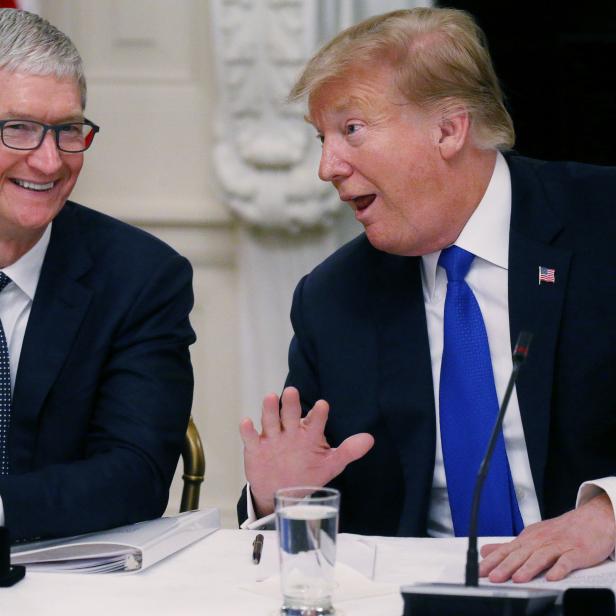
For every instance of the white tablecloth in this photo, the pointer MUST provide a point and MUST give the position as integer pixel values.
(212, 576)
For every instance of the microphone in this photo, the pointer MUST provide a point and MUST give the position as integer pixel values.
(520, 353)
(471, 599)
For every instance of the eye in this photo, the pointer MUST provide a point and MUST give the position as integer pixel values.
(351, 128)
(321, 138)
(71, 130)
(21, 127)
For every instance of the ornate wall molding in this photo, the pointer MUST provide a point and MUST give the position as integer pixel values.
(265, 155)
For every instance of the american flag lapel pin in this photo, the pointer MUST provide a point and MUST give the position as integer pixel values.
(547, 274)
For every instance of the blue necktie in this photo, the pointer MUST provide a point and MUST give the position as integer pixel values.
(468, 409)
(5, 391)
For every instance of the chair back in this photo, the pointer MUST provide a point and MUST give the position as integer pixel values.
(193, 458)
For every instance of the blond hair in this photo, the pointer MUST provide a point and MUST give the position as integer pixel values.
(441, 58)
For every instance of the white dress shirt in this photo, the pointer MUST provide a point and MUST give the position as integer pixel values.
(16, 303)
(486, 235)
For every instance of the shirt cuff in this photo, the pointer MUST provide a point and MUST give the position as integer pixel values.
(250, 509)
(590, 489)
(252, 522)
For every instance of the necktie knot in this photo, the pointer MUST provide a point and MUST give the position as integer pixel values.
(4, 280)
(456, 261)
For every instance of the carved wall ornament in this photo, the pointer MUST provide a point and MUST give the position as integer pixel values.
(266, 157)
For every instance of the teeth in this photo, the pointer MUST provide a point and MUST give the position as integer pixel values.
(33, 185)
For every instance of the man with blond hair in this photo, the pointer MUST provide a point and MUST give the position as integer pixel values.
(406, 332)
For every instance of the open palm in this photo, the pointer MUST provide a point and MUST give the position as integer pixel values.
(291, 450)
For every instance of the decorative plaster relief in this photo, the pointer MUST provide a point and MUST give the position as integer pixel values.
(266, 156)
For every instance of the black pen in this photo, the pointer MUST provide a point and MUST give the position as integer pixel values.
(257, 548)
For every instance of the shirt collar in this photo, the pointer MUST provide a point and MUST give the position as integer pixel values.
(26, 270)
(486, 233)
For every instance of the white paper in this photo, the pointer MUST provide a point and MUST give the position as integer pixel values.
(128, 548)
(349, 585)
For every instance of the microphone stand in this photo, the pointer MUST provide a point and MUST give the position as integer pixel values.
(520, 353)
(470, 599)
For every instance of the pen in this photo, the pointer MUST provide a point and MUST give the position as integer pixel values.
(257, 548)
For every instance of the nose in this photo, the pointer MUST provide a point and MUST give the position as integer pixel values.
(46, 158)
(333, 166)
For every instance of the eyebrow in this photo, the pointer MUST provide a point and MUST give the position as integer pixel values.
(18, 115)
(361, 102)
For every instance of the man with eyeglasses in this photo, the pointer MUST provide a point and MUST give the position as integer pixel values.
(95, 375)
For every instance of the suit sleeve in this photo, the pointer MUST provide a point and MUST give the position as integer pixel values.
(137, 386)
(303, 372)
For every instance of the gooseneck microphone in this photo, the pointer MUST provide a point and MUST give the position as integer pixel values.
(520, 353)
(471, 599)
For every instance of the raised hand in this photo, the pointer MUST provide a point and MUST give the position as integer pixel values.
(577, 539)
(292, 451)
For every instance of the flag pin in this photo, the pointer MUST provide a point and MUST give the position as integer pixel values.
(547, 274)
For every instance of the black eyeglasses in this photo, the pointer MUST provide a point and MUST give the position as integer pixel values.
(71, 137)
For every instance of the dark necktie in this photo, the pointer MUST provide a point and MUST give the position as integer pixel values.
(468, 409)
(5, 391)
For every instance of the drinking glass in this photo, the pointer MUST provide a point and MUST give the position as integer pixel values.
(307, 524)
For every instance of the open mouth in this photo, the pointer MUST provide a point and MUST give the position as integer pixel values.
(361, 203)
(35, 186)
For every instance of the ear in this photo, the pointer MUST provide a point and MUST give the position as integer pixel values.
(453, 132)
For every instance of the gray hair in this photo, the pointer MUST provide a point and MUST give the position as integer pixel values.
(30, 44)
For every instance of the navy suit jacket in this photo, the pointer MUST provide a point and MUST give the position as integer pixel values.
(104, 383)
(361, 343)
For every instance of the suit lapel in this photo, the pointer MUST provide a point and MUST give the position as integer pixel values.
(57, 311)
(535, 307)
(406, 393)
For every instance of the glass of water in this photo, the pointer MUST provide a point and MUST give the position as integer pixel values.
(307, 523)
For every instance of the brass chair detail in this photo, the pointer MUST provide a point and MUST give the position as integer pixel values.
(194, 468)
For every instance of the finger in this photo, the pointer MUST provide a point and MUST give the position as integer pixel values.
(564, 566)
(316, 419)
(249, 435)
(310, 415)
(509, 565)
(270, 415)
(291, 410)
(494, 556)
(537, 563)
(353, 448)
(489, 548)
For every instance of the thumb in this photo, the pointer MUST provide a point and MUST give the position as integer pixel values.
(353, 448)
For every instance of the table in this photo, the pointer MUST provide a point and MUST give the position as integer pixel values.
(208, 577)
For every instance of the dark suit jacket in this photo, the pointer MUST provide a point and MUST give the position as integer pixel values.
(104, 383)
(361, 343)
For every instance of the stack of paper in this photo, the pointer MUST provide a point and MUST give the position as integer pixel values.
(128, 548)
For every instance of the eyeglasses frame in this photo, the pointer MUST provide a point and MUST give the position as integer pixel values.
(56, 128)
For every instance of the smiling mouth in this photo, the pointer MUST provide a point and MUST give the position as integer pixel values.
(361, 203)
(35, 186)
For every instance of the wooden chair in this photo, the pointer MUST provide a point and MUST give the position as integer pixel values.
(194, 468)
